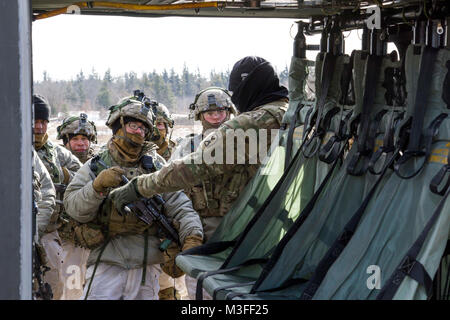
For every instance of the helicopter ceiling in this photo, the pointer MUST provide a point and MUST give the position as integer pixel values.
(300, 9)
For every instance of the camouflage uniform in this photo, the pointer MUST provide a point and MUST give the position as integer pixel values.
(60, 162)
(170, 288)
(61, 165)
(208, 196)
(164, 143)
(75, 257)
(129, 244)
(189, 173)
(44, 196)
(73, 126)
(262, 103)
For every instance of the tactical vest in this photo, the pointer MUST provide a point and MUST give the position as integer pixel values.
(109, 223)
(49, 157)
(214, 198)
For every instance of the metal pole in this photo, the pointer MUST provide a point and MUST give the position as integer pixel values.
(15, 129)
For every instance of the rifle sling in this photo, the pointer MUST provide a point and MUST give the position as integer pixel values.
(363, 150)
(423, 90)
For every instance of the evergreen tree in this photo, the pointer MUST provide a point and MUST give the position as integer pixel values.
(104, 96)
(79, 87)
(107, 77)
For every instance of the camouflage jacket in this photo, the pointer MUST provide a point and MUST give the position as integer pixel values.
(44, 194)
(214, 185)
(85, 205)
(55, 158)
(62, 165)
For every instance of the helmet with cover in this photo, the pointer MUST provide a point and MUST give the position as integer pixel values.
(163, 115)
(127, 109)
(77, 125)
(210, 99)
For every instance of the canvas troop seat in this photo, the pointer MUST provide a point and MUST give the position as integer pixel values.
(299, 252)
(291, 186)
(405, 231)
(404, 228)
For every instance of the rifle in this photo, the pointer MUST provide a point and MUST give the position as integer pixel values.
(148, 210)
(43, 290)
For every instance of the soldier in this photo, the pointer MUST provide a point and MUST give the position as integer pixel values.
(262, 102)
(164, 124)
(124, 262)
(44, 196)
(170, 288)
(212, 107)
(61, 165)
(78, 134)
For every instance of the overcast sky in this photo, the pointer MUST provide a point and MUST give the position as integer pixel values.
(66, 44)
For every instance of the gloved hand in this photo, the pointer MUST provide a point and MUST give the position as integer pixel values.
(192, 242)
(169, 266)
(108, 178)
(125, 195)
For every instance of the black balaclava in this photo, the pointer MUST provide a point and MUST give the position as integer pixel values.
(254, 82)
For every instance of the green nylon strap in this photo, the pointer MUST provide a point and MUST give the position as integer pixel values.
(95, 266)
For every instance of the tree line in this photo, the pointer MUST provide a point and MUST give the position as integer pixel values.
(97, 93)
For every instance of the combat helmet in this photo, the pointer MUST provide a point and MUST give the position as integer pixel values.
(76, 125)
(131, 107)
(209, 99)
(163, 114)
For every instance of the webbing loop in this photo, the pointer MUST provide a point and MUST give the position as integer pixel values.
(425, 152)
(439, 177)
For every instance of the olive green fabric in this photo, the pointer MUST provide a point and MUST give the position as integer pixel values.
(396, 217)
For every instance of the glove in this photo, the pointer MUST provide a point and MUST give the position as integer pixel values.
(169, 266)
(192, 242)
(125, 195)
(108, 178)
